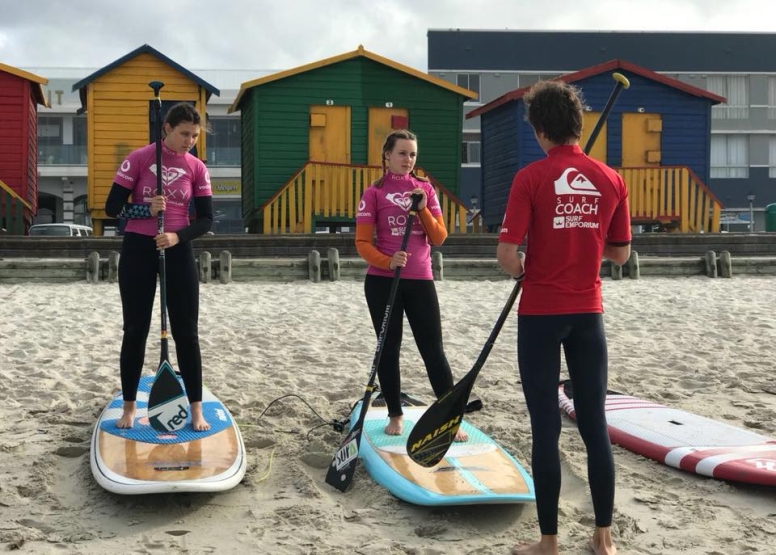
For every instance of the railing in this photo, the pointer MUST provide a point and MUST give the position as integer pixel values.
(61, 155)
(12, 206)
(673, 196)
(330, 193)
(223, 156)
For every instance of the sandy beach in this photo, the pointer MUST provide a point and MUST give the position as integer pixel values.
(699, 344)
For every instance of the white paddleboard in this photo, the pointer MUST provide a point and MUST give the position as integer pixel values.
(142, 460)
(685, 440)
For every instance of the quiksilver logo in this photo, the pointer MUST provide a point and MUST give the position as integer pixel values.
(573, 182)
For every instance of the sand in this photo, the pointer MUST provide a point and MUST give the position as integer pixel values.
(703, 345)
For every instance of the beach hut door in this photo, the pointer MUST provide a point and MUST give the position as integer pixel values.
(641, 135)
(381, 122)
(329, 136)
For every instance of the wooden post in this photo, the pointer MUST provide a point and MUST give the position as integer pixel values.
(113, 266)
(334, 264)
(205, 270)
(314, 266)
(93, 267)
(225, 263)
(633, 265)
(725, 264)
(711, 264)
(616, 270)
(437, 266)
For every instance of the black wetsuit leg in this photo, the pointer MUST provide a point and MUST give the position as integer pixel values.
(377, 290)
(183, 306)
(138, 268)
(421, 305)
(539, 342)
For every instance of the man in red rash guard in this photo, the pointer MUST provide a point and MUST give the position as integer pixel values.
(574, 211)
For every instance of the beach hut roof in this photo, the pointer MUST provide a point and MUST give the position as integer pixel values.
(359, 52)
(611, 65)
(40, 98)
(145, 49)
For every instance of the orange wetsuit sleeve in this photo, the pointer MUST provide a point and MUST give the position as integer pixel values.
(367, 250)
(434, 227)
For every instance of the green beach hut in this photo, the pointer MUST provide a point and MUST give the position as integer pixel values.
(312, 138)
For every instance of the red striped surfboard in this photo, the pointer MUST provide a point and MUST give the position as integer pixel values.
(685, 440)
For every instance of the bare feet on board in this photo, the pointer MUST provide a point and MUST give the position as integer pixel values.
(128, 417)
(198, 421)
(395, 426)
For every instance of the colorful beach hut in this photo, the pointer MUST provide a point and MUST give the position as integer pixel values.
(20, 94)
(313, 135)
(658, 136)
(117, 102)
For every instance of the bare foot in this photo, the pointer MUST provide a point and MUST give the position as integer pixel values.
(460, 435)
(601, 543)
(548, 545)
(394, 427)
(128, 417)
(198, 421)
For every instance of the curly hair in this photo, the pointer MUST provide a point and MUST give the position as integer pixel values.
(555, 108)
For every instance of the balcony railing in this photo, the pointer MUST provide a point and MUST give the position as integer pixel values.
(223, 156)
(61, 155)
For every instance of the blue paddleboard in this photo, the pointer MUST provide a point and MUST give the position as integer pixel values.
(478, 471)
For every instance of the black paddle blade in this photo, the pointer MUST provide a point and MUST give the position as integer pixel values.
(168, 408)
(435, 430)
(343, 465)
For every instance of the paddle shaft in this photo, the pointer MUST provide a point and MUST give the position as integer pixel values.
(156, 86)
(341, 478)
(621, 83)
(434, 432)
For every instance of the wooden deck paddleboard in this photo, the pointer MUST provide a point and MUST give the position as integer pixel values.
(478, 471)
(141, 460)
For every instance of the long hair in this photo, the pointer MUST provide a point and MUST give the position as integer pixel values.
(388, 146)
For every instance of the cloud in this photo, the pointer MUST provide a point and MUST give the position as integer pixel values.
(259, 34)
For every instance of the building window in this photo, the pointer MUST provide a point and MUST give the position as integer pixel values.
(50, 147)
(470, 152)
(223, 142)
(470, 81)
(772, 157)
(50, 130)
(81, 211)
(730, 156)
(735, 88)
(771, 97)
(470, 148)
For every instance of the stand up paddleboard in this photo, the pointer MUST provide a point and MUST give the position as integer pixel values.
(478, 471)
(142, 460)
(685, 440)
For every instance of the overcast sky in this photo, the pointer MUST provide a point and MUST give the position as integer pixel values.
(281, 34)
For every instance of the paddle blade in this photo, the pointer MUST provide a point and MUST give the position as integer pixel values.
(435, 431)
(343, 465)
(168, 408)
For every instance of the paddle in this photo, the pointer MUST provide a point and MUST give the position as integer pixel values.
(343, 465)
(168, 407)
(435, 430)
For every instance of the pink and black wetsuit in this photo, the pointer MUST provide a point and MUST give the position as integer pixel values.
(184, 178)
